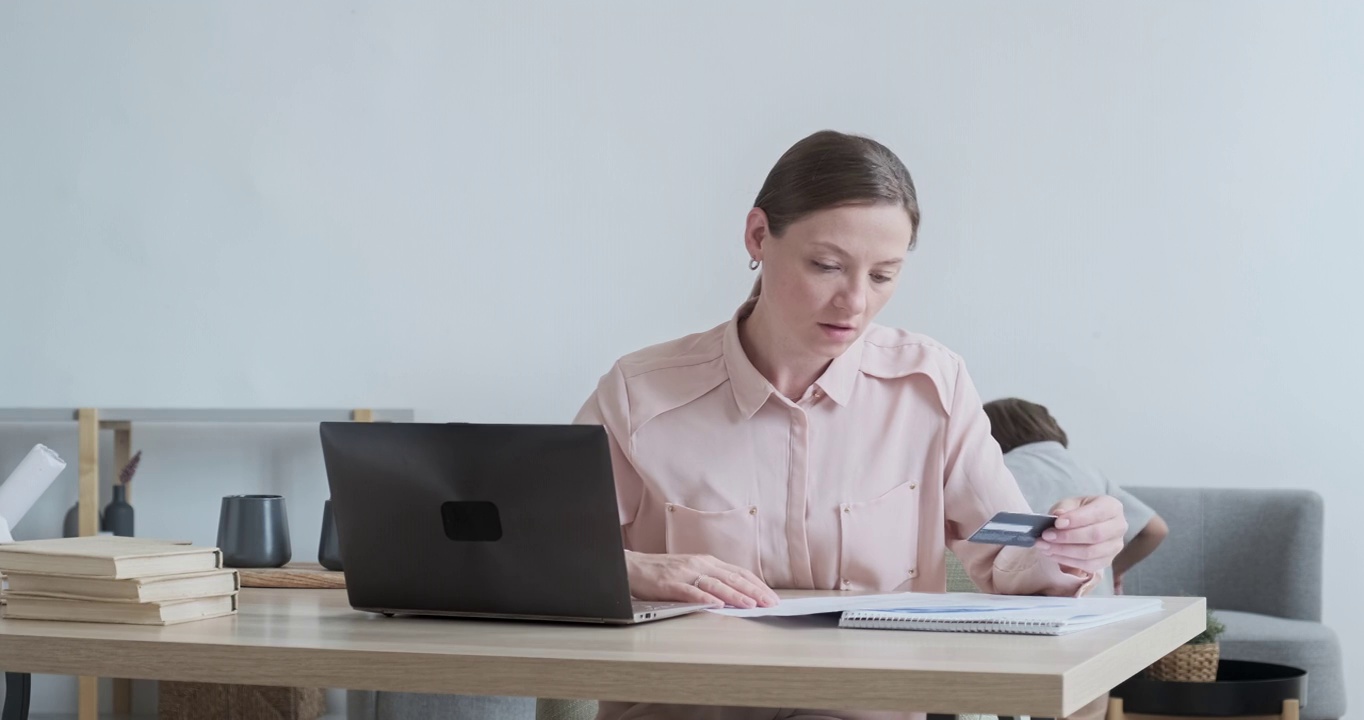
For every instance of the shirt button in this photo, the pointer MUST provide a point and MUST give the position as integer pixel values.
(847, 509)
(753, 511)
(914, 572)
(846, 584)
(671, 508)
(913, 486)
(818, 394)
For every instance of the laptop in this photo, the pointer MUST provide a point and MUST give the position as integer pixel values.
(480, 520)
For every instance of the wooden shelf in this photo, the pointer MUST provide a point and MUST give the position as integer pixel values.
(90, 421)
(201, 415)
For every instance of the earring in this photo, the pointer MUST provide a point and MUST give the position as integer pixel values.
(753, 264)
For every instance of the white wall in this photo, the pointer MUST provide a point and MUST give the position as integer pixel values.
(1144, 216)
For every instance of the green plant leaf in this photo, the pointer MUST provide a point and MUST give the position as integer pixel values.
(1208, 636)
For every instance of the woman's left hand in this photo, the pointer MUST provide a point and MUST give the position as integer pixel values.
(1088, 533)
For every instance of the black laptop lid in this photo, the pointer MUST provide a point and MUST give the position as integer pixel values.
(498, 519)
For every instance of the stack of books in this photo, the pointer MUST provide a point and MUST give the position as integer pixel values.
(116, 580)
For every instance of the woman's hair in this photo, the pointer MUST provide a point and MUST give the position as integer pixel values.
(831, 169)
(1015, 422)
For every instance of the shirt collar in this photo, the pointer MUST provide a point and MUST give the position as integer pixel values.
(838, 380)
(751, 389)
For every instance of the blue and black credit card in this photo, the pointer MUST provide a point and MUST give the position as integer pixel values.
(1017, 529)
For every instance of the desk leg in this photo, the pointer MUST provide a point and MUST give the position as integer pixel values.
(123, 697)
(87, 705)
(18, 688)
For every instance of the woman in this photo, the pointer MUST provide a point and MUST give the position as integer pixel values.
(1037, 453)
(799, 445)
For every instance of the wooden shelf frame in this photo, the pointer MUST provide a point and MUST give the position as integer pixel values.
(203, 415)
(90, 421)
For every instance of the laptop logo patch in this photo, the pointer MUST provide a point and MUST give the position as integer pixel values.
(471, 521)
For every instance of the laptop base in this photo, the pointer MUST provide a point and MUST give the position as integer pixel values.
(643, 612)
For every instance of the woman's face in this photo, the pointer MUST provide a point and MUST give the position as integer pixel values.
(832, 271)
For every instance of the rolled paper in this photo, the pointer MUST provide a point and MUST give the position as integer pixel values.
(26, 484)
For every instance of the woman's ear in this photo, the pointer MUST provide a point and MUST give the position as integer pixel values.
(756, 232)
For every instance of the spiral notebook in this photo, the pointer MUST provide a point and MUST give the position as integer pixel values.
(1020, 615)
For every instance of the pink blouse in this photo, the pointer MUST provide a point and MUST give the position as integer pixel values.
(861, 484)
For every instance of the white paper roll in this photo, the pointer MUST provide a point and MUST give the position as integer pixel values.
(26, 484)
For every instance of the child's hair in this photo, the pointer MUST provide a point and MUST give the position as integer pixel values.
(1015, 422)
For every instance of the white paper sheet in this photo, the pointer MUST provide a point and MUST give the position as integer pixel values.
(961, 605)
(815, 605)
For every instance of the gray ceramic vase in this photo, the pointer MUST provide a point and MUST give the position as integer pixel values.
(328, 548)
(253, 531)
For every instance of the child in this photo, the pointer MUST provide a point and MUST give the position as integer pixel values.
(1036, 452)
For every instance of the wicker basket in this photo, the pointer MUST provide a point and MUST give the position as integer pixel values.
(1188, 663)
(215, 701)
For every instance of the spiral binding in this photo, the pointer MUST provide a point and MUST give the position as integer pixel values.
(885, 621)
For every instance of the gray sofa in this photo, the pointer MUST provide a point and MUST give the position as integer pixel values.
(1256, 555)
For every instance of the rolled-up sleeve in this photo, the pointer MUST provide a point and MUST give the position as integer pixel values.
(978, 485)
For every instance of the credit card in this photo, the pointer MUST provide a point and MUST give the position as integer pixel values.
(1016, 529)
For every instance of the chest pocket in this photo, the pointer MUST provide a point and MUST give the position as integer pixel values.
(729, 535)
(879, 541)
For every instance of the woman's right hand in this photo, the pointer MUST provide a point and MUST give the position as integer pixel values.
(695, 578)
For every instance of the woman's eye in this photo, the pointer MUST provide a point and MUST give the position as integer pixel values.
(825, 267)
(879, 278)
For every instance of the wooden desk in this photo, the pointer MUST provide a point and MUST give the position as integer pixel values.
(312, 638)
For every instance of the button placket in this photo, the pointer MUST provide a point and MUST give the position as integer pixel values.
(843, 582)
(797, 537)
